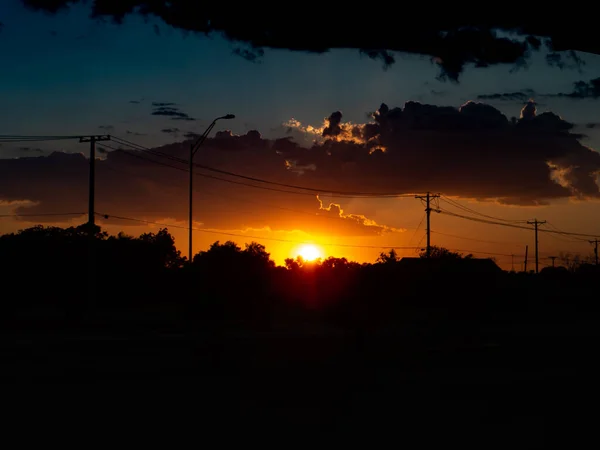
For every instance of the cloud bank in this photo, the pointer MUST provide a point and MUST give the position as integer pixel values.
(471, 151)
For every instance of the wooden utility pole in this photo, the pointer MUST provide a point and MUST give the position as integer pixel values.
(595, 243)
(536, 223)
(526, 256)
(92, 178)
(428, 197)
(91, 225)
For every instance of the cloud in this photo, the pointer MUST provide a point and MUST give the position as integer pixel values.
(191, 135)
(521, 96)
(470, 151)
(592, 125)
(169, 109)
(170, 130)
(454, 42)
(582, 89)
(567, 60)
(136, 187)
(249, 54)
(134, 133)
(135, 102)
(106, 127)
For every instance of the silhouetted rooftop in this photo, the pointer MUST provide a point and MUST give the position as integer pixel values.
(470, 265)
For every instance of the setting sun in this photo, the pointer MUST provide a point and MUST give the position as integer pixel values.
(309, 252)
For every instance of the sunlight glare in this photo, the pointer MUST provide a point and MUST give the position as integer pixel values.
(309, 252)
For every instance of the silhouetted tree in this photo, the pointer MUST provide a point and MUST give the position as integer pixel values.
(388, 258)
(443, 253)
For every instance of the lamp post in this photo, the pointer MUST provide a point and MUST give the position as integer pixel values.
(193, 149)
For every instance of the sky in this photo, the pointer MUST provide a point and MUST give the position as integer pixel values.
(336, 122)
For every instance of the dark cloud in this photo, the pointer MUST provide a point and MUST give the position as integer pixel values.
(453, 39)
(191, 135)
(566, 60)
(592, 125)
(156, 29)
(134, 133)
(382, 55)
(472, 151)
(134, 187)
(170, 130)
(53, 33)
(135, 102)
(521, 96)
(170, 110)
(106, 127)
(582, 89)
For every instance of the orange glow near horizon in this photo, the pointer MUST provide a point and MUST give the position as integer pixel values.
(309, 252)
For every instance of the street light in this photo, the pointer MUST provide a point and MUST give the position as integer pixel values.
(193, 149)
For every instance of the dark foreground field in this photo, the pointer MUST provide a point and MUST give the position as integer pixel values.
(529, 382)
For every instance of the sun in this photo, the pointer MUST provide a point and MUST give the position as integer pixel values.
(309, 252)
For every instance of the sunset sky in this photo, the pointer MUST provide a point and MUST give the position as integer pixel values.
(337, 122)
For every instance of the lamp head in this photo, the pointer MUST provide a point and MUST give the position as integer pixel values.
(228, 116)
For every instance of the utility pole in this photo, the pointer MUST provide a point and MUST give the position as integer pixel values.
(428, 197)
(536, 223)
(92, 178)
(526, 256)
(553, 258)
(595, 243)
(91, 216)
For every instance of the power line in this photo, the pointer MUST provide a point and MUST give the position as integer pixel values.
(475, 240)
(240, 183)
(203, 230)
(127, 152)
(477, 219)
(274, 183)
(472, 211)
(21, 138)
(43, 214)
(317, 213)
(395, 247)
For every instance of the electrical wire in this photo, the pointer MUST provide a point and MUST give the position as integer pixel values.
(473, 239)
(512, 225)
(472, 211)
(260, 180)
(224, 233)
(43, 214)
(21, 138)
